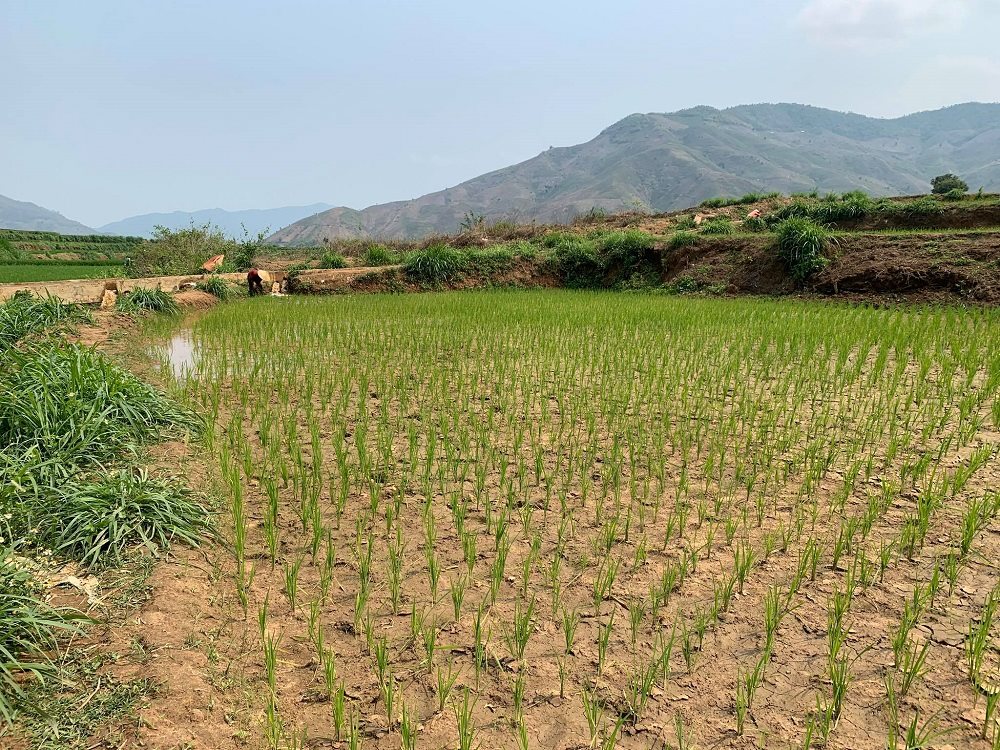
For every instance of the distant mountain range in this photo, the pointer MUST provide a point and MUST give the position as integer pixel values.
(661, 162)
(230, 222)
(23, 215)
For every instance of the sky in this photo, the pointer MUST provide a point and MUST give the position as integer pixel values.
(114, 108)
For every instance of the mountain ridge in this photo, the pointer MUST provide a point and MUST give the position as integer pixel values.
(15, 214)
(669, 161)
(230, 222)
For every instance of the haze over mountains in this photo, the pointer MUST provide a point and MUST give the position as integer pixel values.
(653, 162)
(661, 162)
(230, 222)
(23, 215)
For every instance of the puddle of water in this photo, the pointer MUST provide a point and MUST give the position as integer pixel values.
(181, 355)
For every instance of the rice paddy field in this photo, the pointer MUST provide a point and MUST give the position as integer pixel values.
(563, 519)
(24, 272)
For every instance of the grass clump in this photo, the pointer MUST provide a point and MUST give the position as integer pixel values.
(25, 315)
(97, 522)
(681, 239)
(801, 243)
(627, 249)
(28, 628)
(719, 225)
(434, 264)
(576, 259)
(332, 260)
(216, 286)
(379, 255)
(143, 300)
(71, 405)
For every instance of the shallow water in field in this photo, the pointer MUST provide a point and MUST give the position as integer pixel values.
(181, 354)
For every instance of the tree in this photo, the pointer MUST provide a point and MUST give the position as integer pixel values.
(945, 183)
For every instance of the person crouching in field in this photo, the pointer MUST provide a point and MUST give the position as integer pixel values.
(255, 285)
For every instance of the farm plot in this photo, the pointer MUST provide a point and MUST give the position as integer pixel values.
(566, 519)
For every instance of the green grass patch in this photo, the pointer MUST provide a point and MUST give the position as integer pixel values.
(27, 272)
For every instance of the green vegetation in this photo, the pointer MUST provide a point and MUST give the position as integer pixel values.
(379, 255)
(434, 264)
(144, 300)
(948, 183)
(218, 287)
(56, 271)
(331, 260)
(623, 495)
(71, 427)
(801, 244)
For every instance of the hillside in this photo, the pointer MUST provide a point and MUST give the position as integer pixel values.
(662, 162)
(230, 222)
(23, 215)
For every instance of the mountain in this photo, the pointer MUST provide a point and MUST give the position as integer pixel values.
(255, 220)
(23, 215)
(663, 162)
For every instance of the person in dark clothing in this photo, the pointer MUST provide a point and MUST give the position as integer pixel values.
(255, 285)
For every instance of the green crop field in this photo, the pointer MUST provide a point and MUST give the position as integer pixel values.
(577, 519)
(16, 272)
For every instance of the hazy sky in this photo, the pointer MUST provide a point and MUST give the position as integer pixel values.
(117, 108)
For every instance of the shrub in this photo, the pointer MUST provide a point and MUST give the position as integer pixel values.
(181, 251)
(146, 300)
(379, 255)
(681, 239)
(718, 225)
(801, 243)
(332, 260)
(217, 286)
(954, 195)
(434, 264)
(946, 183)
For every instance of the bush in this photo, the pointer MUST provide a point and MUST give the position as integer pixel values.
(434, 264)
(848, 207)
(954, 195)
(332, 260)
(718, 225)
(489, 259)
(946, 183)
(801, 243)
(217, 286)
(379, 255)
(142, 300)
(181, 251)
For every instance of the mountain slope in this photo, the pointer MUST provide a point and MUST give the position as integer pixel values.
(230, 222)
(23, 215)
(662, 162)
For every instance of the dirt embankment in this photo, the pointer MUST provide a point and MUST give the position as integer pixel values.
(931, 267)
